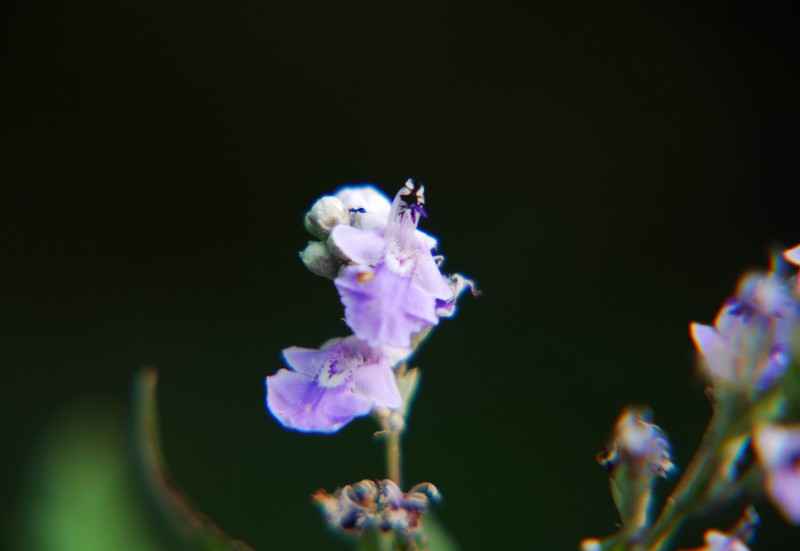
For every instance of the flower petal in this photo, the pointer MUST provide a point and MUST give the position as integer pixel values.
(307, 361)
(360, 246)
(793, 255)
(428, 277)
(386, 309)
(377, 383)
(425, 240)
(718, 356)
(717, 541)
(784, 487)
(778, 450)
(299, 403)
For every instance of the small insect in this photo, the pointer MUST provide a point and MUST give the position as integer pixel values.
(412, 198)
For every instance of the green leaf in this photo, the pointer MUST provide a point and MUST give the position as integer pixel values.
(81, 495)
(174, 504)
(373, 540)
(436, 536)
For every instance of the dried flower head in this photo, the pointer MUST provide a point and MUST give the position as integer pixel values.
(377, 505)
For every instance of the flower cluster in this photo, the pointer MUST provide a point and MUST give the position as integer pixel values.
(377, 506)
(749, 357)
(393, 293)
(749, 346)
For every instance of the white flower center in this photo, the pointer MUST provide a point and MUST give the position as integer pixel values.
(399, 259)
(336, 371)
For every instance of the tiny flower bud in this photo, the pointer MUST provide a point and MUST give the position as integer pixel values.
(319, 260)
(396, 422)
(327, 213)
(637, 453)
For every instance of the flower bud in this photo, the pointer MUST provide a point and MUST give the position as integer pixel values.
(637, 454)
(327, 213)
(319, 260)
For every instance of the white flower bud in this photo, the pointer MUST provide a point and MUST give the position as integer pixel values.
(324, 215)
(337, 252)
(319, 261)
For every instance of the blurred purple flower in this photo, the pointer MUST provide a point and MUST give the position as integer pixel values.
(719, 541)
(326, 388)
(394, 288)
(778, 449)
(735, 540)
(638, 445)
(793, 255)
(750, 342)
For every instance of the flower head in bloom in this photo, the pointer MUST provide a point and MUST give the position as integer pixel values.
(749, 344)
(392, 287)
(377, 505)
(778, 450)
(326, 388)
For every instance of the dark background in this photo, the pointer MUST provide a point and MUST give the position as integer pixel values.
(604, 172)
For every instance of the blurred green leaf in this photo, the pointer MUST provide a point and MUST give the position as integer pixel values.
(376, 541)
(437, 537)
(176, 506)
(81, 495)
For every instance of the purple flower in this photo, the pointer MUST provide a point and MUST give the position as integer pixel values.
(394, 288)
(326, 388)
(778, 449)
(749, 344)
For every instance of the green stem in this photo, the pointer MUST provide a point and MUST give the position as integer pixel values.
(685, 498)
(393, 456)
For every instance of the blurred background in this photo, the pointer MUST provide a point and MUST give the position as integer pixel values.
(605, 173)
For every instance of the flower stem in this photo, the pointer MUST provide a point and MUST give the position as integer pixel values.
(685, 499)
(393, 456)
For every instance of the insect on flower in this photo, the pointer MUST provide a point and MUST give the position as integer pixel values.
(412, 198)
